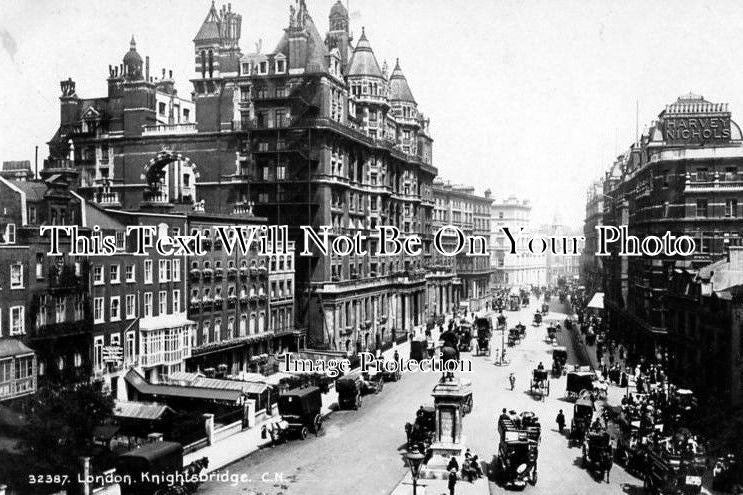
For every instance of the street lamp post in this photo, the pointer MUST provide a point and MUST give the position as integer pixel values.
(415, 460)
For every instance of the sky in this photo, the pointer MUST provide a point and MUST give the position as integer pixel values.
(532, 98)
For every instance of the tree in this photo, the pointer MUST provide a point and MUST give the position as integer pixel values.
(61, 423)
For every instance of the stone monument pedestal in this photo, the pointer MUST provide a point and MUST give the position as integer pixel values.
(449, 396)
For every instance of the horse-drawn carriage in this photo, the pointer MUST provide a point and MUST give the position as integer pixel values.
(465, 336)
(629, 451)
(530, 423)
(559, 358)
(537, 319)
(420, 432)
(582, 414)
(300, 409)
(148, 468)
(578, 381)
(501, 320)
(597, 453)
(450, 339)
(514, 302)
(540, 383)
(551, 333)
(484, 333)
(514, 336)
(668, 473)
(516, 462)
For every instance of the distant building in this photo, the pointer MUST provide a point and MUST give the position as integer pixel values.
(522, 268)
(591, 268)
(459, 206)
(561, 267)
(17, 170)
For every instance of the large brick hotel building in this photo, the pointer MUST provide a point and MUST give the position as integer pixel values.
(314, 132)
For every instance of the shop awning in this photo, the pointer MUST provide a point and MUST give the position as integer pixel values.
(141, 386)
(182, 378)
(597, 301)
(273, 379)
(13, 347)
(140, 410)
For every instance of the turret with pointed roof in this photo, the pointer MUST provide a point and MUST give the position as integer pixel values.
(363, 61)
(399, 89)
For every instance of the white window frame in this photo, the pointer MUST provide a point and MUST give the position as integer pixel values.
(98, 277)
(130, 357)
(147, 271)
(176, 270)
(148, 307)
(162, 302)
(162, 271)
(98, 302)
(133, 313)
(176, 301)
(57, 307)
(19, 283)
(10, 233)
(111, 316)
(131, 277)
(111, 270)
(98, 353)
(22, 320)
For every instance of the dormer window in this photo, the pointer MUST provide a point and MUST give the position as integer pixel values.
(246, 68)
(263, 68)
(280, 66)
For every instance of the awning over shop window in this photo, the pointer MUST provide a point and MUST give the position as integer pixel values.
(597, 301)
(139, 383)
(140, 410)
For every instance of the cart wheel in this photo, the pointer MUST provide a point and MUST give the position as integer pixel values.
(304, 432)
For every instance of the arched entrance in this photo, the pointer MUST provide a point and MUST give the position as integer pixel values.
(171, 178)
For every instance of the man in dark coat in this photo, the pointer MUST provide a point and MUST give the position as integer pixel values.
(561, 421)
(452, 481)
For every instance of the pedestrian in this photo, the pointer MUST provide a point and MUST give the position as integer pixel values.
(608, 463)
(452, 480)
(561, 421)
(512, 380)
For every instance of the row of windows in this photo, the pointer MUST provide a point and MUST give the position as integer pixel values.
(168, 270)
(703, 208)
(130, 306)
(211, 331)
(261, 67)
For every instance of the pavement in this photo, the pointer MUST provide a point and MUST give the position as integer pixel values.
(246, 442)
(440, 487)
(362, 452)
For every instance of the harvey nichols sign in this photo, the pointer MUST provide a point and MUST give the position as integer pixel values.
(697, 130)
